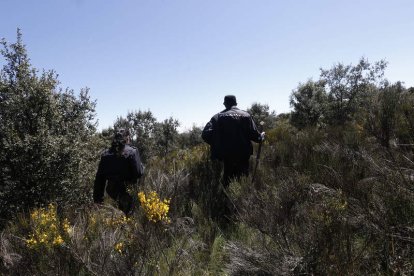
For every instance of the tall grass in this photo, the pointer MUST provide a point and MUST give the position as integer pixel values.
(322, 203)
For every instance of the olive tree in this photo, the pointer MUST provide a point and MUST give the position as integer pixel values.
(309, 102)
(347, 88)
(148, 135)
(142, 126)
(261, 113)
(46, 148)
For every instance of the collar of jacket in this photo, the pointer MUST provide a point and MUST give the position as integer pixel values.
(234, 107)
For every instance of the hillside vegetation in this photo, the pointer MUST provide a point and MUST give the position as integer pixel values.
(333, 194)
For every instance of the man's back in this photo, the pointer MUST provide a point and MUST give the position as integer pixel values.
(235, 130)
(118, 169)
(230, 133)
(120, 166)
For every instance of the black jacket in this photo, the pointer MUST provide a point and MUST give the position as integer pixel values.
(229, 133)
(118, 170)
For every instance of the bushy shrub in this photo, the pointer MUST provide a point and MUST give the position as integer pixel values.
(332, 193)
(46, 148)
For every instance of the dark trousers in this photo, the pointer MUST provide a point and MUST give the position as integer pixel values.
(117, 191)
(234, 168)
(223, 210)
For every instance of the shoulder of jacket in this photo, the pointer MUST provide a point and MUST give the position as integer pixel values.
(130, 150)
(133, 147)
(234, 111)
(105, 151)
(244, 113)
(217, 115)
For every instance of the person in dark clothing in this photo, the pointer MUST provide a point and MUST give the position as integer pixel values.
(120, 166)
(229, 134)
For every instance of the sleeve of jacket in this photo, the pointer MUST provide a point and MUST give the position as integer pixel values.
(136, 164)
(254, 132)
(208, 131)
(99, 185)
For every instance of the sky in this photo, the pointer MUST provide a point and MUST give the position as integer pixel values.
(179, 58)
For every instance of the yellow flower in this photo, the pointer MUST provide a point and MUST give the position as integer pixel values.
(155, 209)
(66, 227)
(119, 247)
(58, 240)
(45, 230)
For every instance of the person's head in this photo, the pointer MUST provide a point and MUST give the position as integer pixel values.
(229, 101)
(121, 137)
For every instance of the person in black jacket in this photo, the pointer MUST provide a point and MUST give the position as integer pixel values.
(229, 134)
(120, 166)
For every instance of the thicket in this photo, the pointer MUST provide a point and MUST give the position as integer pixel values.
(333, 194)
(47, 145)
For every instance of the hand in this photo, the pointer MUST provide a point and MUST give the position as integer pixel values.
(262, 136)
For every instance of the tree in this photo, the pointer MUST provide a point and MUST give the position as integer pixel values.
(148, 135)
(309, 102)
(261, 113)
(405, 122)
(383, 112)
(45, 135)
(390, 115)
(190, 138)
(142, 125)
(166, 136)
(347, 88)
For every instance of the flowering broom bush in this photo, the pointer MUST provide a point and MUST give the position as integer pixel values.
(47, 230)
(155, 209)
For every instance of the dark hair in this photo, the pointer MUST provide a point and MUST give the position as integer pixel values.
(120, 139)
(230, 100)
